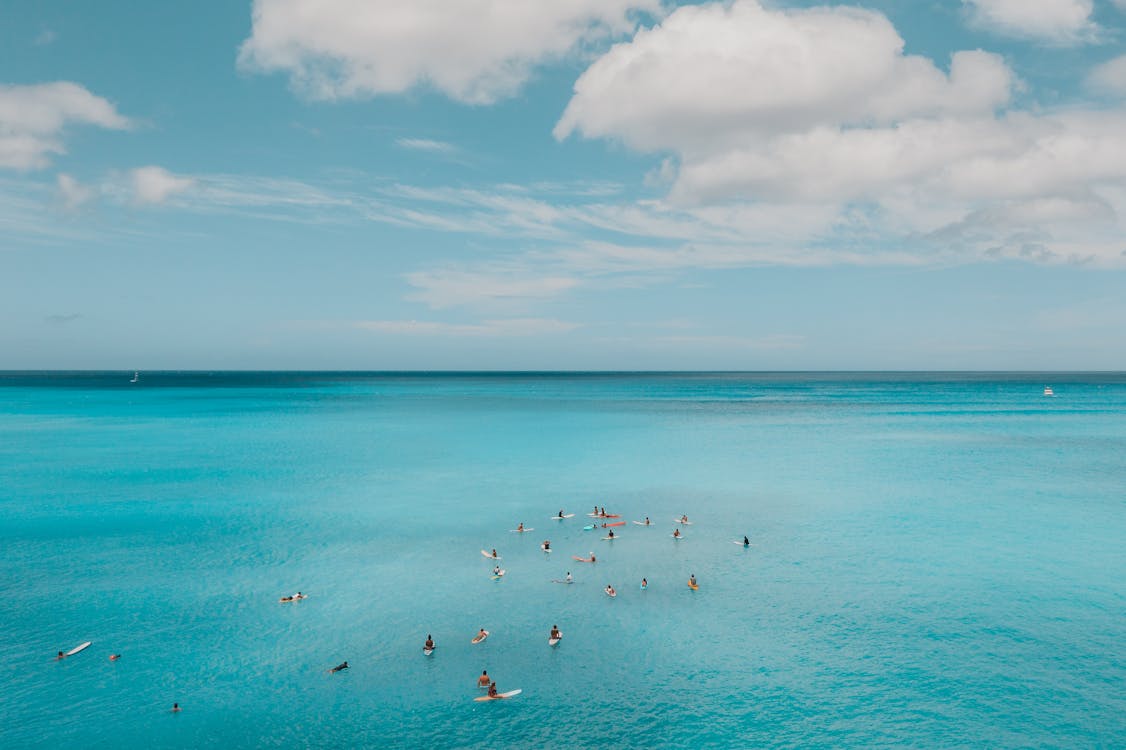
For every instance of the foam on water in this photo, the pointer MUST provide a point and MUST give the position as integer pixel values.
(938, 559)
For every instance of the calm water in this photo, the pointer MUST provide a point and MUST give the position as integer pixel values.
(939, 560)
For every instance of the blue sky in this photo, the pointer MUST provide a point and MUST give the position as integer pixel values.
(566, 184)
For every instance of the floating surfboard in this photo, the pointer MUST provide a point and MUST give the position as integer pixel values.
(588, 527)
(498, 696)
(736, 541)
(610, 538)
(642, 523)
(582, 559)
(490, 555)
(605, 515)
(616, 523)
(520, 531)
(427, 651)
(478, 638)
(565, 515)
(560, 580)
(611, 594)
(693, 586)
(79, 647)
(555, 641)
(682, 523)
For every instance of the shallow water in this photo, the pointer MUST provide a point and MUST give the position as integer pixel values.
(938, 559)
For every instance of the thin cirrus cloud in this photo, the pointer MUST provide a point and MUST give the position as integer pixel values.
(1058, 22)
(33, 119)
(504, 327)
(474, 51)
(426, 145)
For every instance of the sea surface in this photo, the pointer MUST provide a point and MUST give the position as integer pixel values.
(939, 560)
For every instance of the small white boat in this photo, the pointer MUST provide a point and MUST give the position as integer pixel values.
(1048, 391)
(136, 377)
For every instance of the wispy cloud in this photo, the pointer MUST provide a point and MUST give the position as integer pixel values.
(500, 328)
(45, 37)
(425, 144)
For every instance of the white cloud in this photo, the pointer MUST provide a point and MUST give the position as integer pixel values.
(152, 184)
(475, 51)
(425, 144)
(1110, 77)
(487, 285)
(72, 193)
(488, 328)
(713, 75)
(1054, 21)
(45, 37)
(32, 120)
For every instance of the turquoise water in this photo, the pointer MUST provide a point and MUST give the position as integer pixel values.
(939, 560)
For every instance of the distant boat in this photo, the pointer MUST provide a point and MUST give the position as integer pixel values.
(136, 377)
(1048, 391)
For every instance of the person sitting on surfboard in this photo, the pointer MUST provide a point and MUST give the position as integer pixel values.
(684, 519)
(482, 634)
(646, 520)
(611, 533)
(546, 545)
(746, 541)
(644, 583)
(339, 667)
(495, 555)
(492, 690)
(520, 527)
(483, 680)
(175, 708)
(560, 512)
(676, 532)
(496, 570)
(609, 589)
(569, 579)
(692, 581)
(429, 642)
(555, 634)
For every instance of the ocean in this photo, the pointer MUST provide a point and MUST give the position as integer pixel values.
(938, 559)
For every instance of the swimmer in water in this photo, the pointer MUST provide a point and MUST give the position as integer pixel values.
(341, 666)
(175, 708)
(483, 680)
(644, 583)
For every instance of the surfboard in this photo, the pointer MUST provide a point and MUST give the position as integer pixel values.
(678, 538)
(588, 527)
(581, 559)
(605, 515)
(682, 523)
(642, 523)
(611, 594)
(520, 531)
(498, 696)
(565, 515)
(693, 586)
(79, 647)
(736, 541)
(545, 549)
(478, 638)
(427, 651)
(559, 580)
(610, 538)
(616, 523)
(490, 555)
(555, 641)
(498, 575)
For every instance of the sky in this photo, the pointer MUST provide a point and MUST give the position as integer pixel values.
(563, 185)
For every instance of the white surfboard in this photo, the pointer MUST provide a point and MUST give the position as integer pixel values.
(642, 523)
(565, 515)
(674, 536)
(498, 696)
(490, 555)
(555, 641)
(520, 531)
(427, 651)
(79, 647)
(610, 538)
(682, 523)
(479, 638)
(611, 594)
(740, 543)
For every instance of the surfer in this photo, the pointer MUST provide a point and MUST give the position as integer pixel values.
(555, 634)
(114, 657)
(644, 583)
(341, 666)
(592, 557)
(483, 680)
(482, 634)
(676, 533)
(546, 545)
(692, 581)
(611, 533)
(646, 520)
(60, 656)
(492, 690)
(175, 708)
(684, 519)
(569, 578)
(520, 527)
(560, 512)
(496, 570)
(603, 511)
(610, 590)
(429, 643)
(495, 555)
(746, 541)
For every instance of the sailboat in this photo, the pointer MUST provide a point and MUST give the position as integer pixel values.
(136, 377)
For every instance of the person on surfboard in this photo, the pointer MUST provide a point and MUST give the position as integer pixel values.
(569, 578)
(429, 643)
(546, 545)
(644, 583)
(692, 580)
(520, 527)
(560, 512)
(341, 666)
(746, 541)
(611, 533)
(610, 590)
(492, 690)
(495, 555)
(676, 533)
